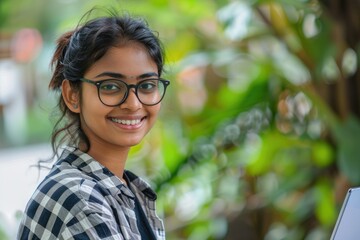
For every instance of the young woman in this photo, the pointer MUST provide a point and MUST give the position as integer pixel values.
(109, 73)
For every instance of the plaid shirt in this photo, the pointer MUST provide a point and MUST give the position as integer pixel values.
(81, 199)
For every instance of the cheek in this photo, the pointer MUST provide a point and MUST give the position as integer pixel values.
(89, 96)
(91, 107)
(154, 110)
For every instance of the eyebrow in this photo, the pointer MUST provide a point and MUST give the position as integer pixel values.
(122, 76)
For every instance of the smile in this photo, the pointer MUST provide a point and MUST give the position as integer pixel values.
(126, 122)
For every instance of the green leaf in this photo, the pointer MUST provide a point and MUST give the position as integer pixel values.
(322, 154)
(325, 204)
(272, 144)
(171, 149)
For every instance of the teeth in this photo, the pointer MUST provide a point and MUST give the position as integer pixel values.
(126, 122)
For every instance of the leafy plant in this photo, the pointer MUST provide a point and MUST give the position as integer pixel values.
(258, 133)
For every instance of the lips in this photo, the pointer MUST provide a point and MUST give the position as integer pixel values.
(127, 122)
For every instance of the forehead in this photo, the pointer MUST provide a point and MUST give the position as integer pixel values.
(129, 60)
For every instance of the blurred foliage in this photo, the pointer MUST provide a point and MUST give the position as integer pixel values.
(258, 134)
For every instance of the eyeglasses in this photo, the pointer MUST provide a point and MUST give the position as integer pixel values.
(114, 92)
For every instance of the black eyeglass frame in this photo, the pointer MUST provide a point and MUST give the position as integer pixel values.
(128, 86)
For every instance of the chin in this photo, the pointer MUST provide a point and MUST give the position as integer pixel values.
(131, 143)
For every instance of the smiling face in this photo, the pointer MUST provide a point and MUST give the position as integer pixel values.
(125, 125)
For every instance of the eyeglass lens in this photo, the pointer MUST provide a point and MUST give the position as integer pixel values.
(114, 92)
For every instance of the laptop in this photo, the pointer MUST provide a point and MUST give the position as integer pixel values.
(347, 226)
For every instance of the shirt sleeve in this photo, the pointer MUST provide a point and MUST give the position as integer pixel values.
(76, 212)
(95, 219)
(91, 225)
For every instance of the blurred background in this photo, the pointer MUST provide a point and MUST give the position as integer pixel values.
(258, 136)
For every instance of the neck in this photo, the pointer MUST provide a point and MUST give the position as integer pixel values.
(112, 159)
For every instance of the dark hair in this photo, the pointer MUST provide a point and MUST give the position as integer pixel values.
(79, 49)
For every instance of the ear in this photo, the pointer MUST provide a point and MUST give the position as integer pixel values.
(70, 96)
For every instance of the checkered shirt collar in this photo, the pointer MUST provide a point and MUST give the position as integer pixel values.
(88, 165)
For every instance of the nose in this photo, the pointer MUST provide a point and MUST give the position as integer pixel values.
(131, 102)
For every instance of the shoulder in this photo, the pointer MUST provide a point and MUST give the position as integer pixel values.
(75, 183)
(63, 200)
(69, 190)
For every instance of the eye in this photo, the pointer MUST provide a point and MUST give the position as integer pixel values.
(148, 86)
(112, 87)
(109, 87)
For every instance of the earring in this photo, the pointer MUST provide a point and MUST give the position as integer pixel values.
(75, 106)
